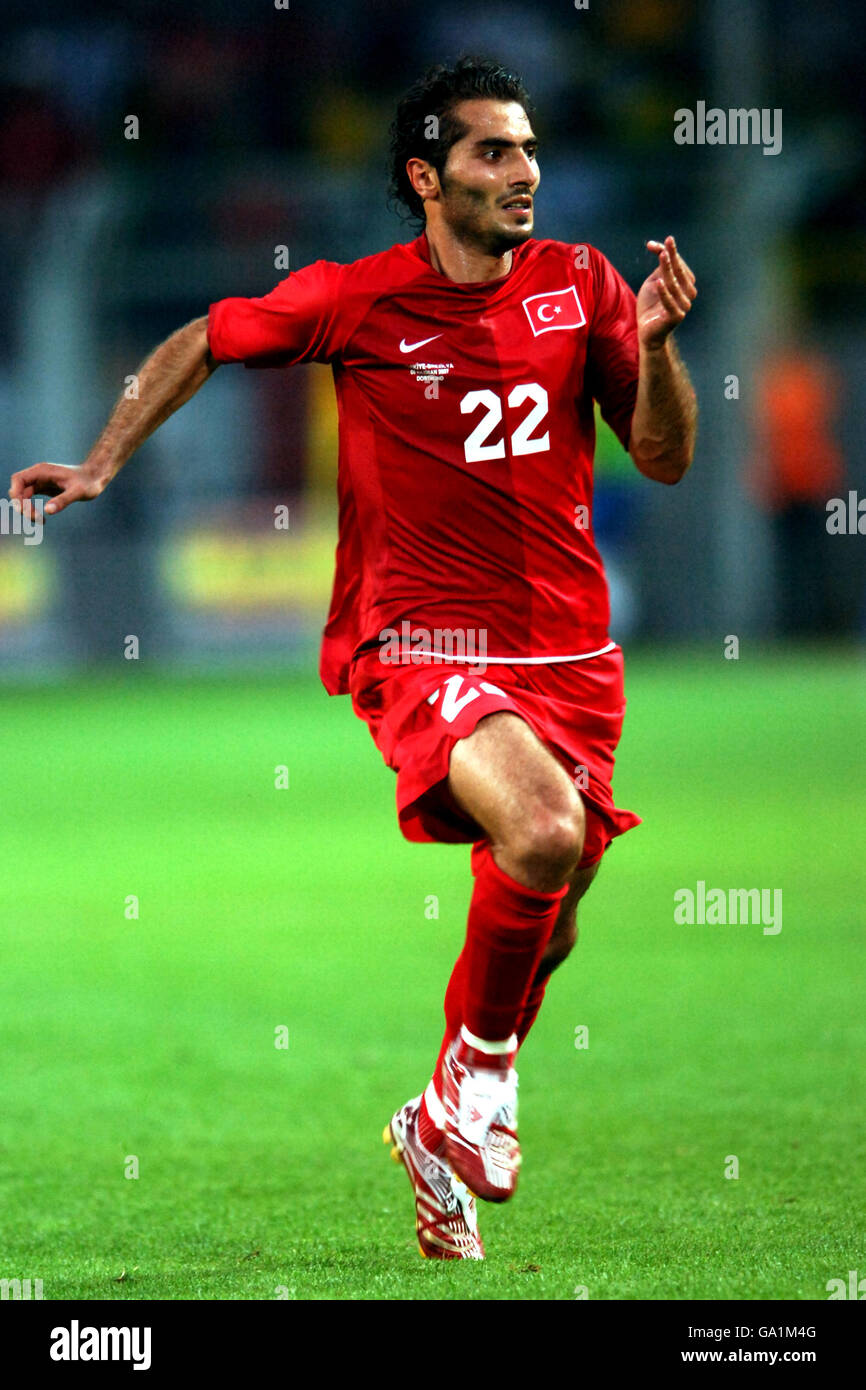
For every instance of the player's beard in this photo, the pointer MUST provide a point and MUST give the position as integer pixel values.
(469, 215)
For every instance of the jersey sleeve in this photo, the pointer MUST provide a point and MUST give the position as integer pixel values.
(297, 322)
(612, 354)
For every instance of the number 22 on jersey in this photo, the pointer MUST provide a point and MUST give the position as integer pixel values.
(524, 440)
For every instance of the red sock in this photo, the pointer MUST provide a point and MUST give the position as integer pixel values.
(508, 929)
(531, 1004)
(490, 989)
(454, 992)
(453, 1015)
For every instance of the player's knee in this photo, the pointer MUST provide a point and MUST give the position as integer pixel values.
(549, 843)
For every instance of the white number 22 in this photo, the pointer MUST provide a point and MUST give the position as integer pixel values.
(475, 448)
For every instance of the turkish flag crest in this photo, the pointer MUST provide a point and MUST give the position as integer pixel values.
(556, 309)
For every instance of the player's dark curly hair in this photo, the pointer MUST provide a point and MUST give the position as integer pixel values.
(435, 94)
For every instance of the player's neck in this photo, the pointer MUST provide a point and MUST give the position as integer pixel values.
(462, 263)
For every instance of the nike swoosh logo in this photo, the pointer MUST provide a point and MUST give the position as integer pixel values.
(410, 347)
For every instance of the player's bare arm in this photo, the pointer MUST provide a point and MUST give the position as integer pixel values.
(167, 379)
(665, 419)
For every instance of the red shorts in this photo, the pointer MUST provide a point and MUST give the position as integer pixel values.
(416, 713)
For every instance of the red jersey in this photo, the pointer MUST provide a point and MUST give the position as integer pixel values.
(466, 439)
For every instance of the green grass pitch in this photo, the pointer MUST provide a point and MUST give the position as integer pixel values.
(261, 1169)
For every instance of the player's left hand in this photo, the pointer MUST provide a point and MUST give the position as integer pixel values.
(666, 295)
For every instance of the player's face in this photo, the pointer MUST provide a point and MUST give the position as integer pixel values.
(490, 177)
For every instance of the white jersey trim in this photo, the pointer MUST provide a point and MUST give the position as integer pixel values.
(512, 660)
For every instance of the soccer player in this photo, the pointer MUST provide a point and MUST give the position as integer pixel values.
(469, 618)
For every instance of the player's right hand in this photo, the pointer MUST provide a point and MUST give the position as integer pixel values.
(63, 484)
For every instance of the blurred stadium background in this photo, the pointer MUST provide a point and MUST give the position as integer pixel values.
(262, 128)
